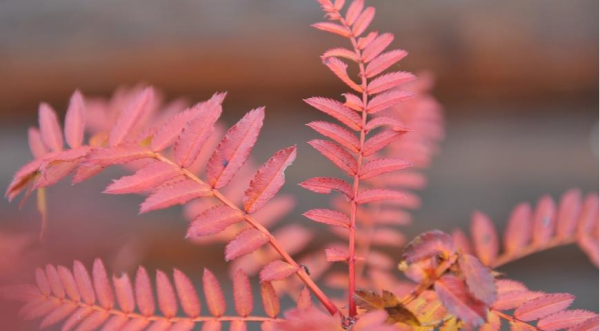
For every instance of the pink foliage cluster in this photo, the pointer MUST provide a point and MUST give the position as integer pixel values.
(386, 130)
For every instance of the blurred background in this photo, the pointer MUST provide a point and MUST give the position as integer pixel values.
(518, 81)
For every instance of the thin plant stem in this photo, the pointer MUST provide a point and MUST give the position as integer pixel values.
(356, 183)
(176, 319)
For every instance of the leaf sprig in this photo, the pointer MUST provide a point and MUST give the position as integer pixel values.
(348, 151)
(171, 182)
(81, 301)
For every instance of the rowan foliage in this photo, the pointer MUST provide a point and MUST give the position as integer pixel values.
(386, 130)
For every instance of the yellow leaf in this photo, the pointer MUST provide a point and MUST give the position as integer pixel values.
(397, 312)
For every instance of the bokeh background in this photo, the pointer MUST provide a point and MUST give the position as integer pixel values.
(518, 81)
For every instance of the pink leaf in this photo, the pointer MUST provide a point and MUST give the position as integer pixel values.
(379, 141)
(340, 69)
(389, 81)
(277, 270)
(485, 238)
(377, 46)
(214, 220)
(329, 217)
(325, 185)
(84, 283)
(175, 194)
(568, 211)
(135, 324)
(513, 299)
(93, 321)
(242, 292)
(75, 120)
(565, 319)
(384, 61)
(168, 133)
(183, 325)
(386, 100)
(462, 242)
(340, 52)
(508, 285)
(68, 281)
(543, 306)
(53, 173)
(588, 220)
(353, 102)
(270, 299)
(244, 243)
(364, 42)
(79, 315)
(42, 282)
(56, 285)
(544, 220)
(167, 302)
(22, 178)
(36, 144)
(455, 297)
(336, 133)
(354, 10)
(117, 322)
(86, 171)
(234, 149)
(336, 110)
(161, 325)
(143, 293)
(374, 320)
(50, 128)
(214, 295)
(145, 179)
(124, 293)
(187, 294)
(117, 155)
(378, 195)
(336, 154)
(39, 308)
(363, 21)
(130, 115)
(197, 130)
(589, 325)
(519, 229)
(381, 166)
(429, 244)
(102, 286)
(393, 123)
(333, 28)
(268, 180)
(304, 300)
(212, 325)
(334, 254)
(58, 314)
(479, 278)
